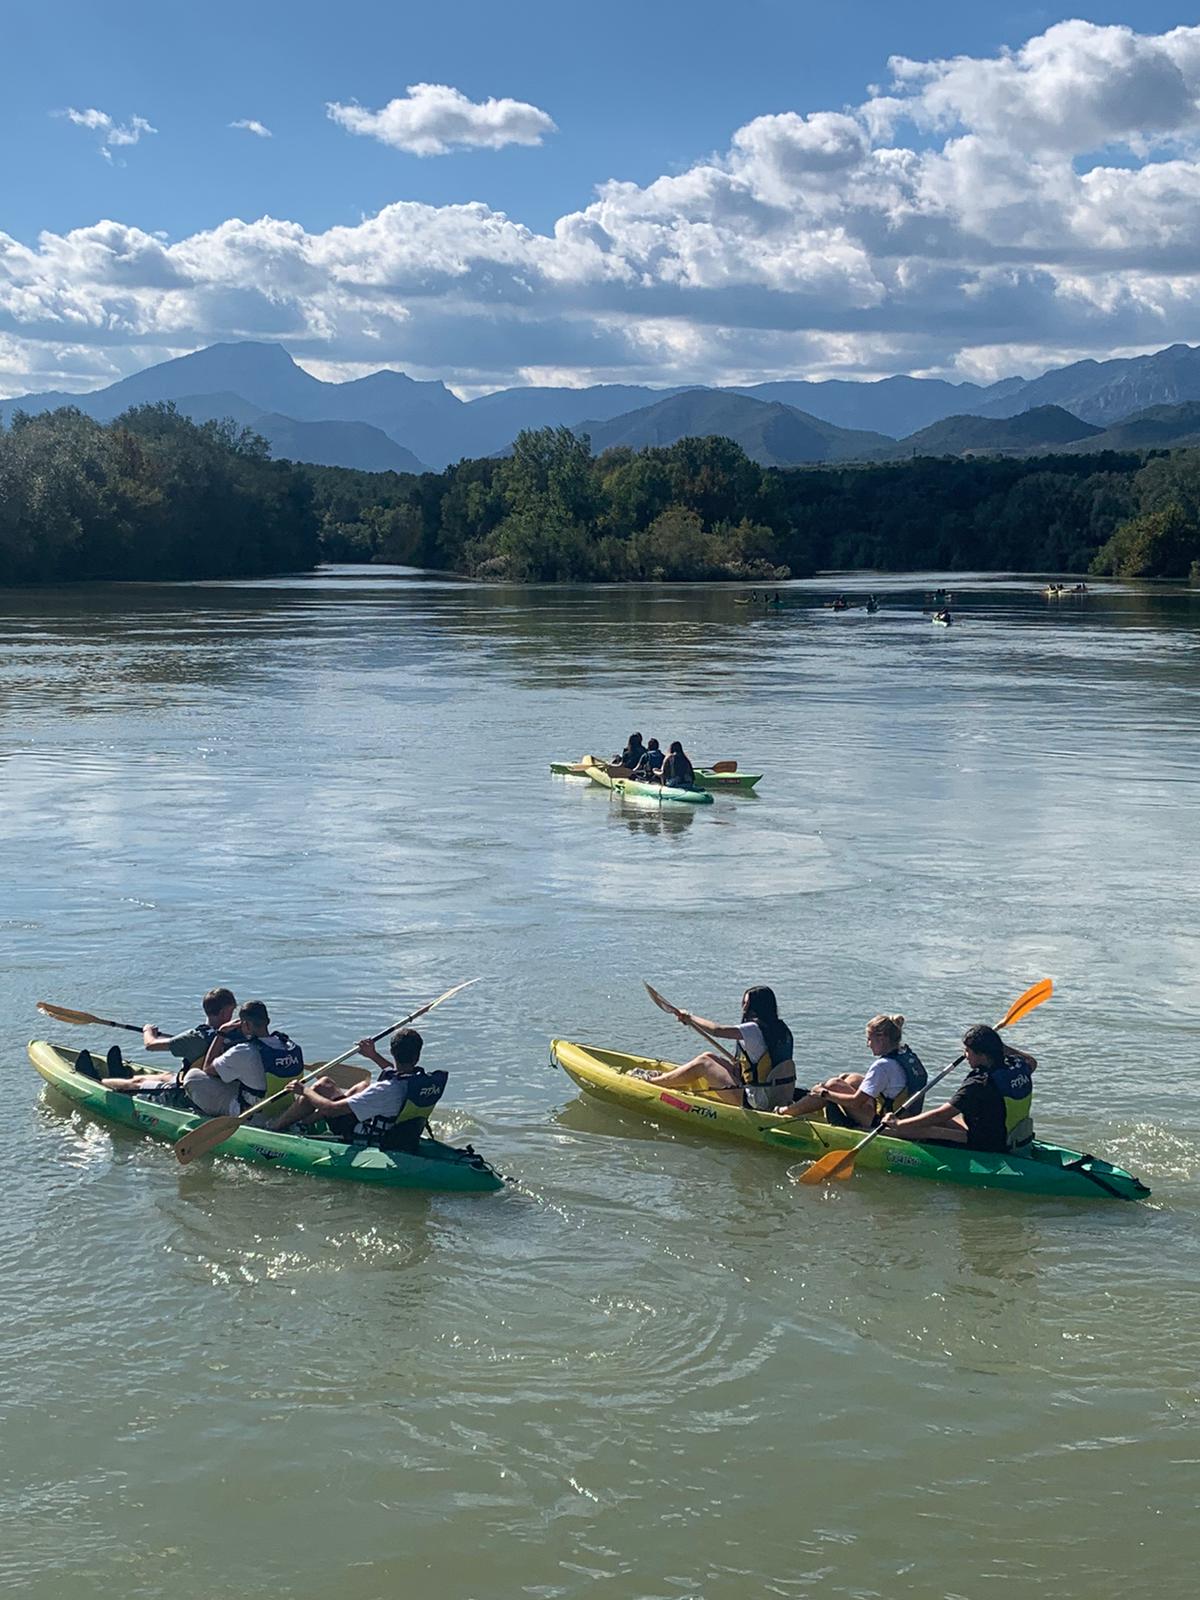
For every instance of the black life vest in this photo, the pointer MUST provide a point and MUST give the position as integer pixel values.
(1014, 1081)
(422, 1091)
(912, 1096)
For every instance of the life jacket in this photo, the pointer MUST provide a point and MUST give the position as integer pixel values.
(1015, 1082)
(422, 1091)
(282, 1060)
(768, 1082)
(911, 1097)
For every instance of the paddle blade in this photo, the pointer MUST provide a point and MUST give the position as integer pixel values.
(1029, 1001)
(838, 1165)
(205, 1138)
(64, 1014)
(723, 766)
(663, 1005)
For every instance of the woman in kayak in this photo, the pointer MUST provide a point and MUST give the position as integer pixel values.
(990, 1111)
(677, 770)
(762, 1075)
(650, 765)
(631, 757)
(393, 1112)
(858, 1099)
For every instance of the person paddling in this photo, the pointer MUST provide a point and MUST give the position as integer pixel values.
(677, 770)
(895, 1077)
(233, 1076)
(393, 1112)
(763, 1073)
(190, 1047)
(992, 1109)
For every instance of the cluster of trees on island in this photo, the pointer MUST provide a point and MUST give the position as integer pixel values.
(153, 495)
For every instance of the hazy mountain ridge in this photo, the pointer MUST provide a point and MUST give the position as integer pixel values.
(837, 420)
(1045, 427)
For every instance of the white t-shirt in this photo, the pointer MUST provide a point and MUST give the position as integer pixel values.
(884, 1078)
(750, 1035)
(242, 1064)
(383, 1099)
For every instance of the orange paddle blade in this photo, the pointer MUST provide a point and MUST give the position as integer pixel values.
(837, 1164)
(1029, 1001)
(723, 766)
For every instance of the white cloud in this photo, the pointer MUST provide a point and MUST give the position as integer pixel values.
(432, 119)
(1048, 201)
(252, 125)
(113, 134)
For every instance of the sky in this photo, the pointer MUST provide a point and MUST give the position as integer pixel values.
(666, 191)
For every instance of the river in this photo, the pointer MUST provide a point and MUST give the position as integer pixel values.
(652, 1367)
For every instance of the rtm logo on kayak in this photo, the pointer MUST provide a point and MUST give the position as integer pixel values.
(685, 1105)
(895, 1160)
(267, 1155)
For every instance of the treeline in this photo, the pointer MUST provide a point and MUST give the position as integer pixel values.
(701, 508)
(150, 495)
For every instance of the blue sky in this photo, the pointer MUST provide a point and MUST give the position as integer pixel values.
(658, 285)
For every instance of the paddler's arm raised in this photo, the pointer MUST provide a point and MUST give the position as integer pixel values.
(690, 1020)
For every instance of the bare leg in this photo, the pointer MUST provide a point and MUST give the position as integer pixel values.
(706, 1071)
(804, 1107)
(144, 1080)
(952, 1132)
(302, 1110)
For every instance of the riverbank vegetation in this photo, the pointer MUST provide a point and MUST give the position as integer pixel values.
(150, 495)
(153, 495)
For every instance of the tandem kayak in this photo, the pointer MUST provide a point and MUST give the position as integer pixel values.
(706, 778)
(1043, 1169)
(648, 791)
(433, 1166)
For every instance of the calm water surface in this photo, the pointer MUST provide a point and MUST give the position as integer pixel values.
(653, 1367)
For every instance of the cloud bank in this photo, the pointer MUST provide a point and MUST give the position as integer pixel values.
(974, 216)
(433, 119)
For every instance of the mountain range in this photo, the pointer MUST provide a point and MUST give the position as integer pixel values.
(389, 421)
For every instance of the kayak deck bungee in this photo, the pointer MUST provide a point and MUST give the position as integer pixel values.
(648, 791)
(706, 778)
(1042, 1169)
(434, 1166)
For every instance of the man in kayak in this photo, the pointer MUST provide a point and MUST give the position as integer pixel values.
(233, 1076)
(393, 1112)
(992, 1109)
(895, 1077)
(190, 1047)
(763, 1074)
(650, 765)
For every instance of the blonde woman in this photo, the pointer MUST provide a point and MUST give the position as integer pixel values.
(895, 1078)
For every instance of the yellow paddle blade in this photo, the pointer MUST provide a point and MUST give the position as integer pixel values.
(1029, 1001)
(723, 766)
(205, 1138)
(64, 1014)
(838, 1164)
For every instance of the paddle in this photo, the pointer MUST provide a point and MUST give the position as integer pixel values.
(840, 1163)
(216, 1130)
(674, 1011)
(345, 1077)
(723, 766)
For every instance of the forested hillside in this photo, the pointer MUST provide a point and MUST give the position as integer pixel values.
(149, 495)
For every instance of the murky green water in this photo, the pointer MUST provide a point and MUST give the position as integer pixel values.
(653, 1367)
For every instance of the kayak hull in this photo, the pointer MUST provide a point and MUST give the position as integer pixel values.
(1046, 1170)
(706, 778)
(649, 791)
(443, 1167)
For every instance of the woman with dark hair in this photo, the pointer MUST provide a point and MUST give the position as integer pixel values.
(677, 770)
(990, 1111)
(762, 1075)
(631, 757)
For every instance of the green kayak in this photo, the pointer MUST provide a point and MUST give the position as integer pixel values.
(433, 1166)
(706, 778)
(1040, 1168)
(649, 791)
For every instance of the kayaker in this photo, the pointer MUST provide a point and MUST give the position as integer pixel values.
(991, 1111)
(763, 1076)
(650, 765)
(677, 770)
(191, 1047)
(630, 758)
(393, 1112)
(895, 1077)
(234, 1076)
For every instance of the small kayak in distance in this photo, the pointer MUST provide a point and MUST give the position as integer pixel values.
(1041, 1168)
(648, 791)
(706, 778)
(433, 1165)
(942, 622)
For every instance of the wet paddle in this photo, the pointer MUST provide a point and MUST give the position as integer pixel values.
(840, 1163)
(674, 1011)
(723, 766)
(216, 1130)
